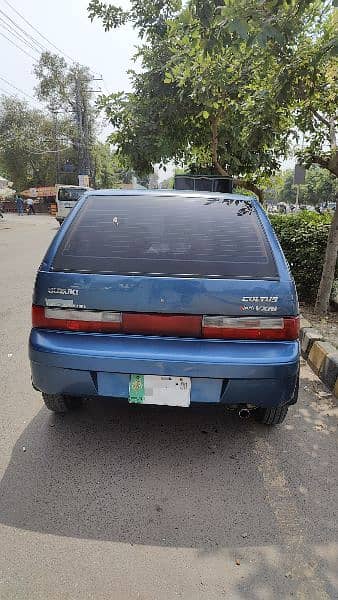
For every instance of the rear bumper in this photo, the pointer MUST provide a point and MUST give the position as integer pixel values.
(230, 372)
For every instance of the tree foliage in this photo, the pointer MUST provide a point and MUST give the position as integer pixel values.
(195, 100)
(27, 144)
(212, 89)
(320, 187)
(65, 89)
(303, 237)
(108, 169)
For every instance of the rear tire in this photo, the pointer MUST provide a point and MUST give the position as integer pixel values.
(271, 416)
(60, 404)
(277, 414)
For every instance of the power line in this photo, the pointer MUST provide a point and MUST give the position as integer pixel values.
(12, 32)
(14, 44)
(16, 88)
(37, 31)
(27, 35)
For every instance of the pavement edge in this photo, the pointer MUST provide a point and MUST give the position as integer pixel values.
(321, 356)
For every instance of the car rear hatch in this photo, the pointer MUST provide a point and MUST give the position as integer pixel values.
(194, 265)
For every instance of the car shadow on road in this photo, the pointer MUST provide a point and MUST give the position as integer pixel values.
(143, 475)
(199, 479)
(151, 475)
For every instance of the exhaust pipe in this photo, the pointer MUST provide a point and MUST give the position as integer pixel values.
(244, 413)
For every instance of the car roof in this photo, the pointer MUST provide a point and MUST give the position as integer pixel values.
(166, 193)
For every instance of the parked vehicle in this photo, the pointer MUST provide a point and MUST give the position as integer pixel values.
(170, 298)
(66, 198)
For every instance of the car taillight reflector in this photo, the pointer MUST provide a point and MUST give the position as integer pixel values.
(213, 327)
(76, 320)
(162, 324)
(250, 328)
(114, 322)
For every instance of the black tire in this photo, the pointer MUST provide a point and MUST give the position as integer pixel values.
(60, 404)
(277, 414)
(271, 416)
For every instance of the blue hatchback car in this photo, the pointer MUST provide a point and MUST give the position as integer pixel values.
(170, 298)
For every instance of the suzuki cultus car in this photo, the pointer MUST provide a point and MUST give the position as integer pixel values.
(169, 298)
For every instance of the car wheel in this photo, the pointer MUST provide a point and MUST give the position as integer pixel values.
(60, 404)
(271, 416)
(276, 414)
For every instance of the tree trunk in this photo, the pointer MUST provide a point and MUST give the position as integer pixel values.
(214, 148)
(329, 266)
(247, 185)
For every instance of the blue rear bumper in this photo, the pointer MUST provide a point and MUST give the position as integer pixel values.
(230, 372)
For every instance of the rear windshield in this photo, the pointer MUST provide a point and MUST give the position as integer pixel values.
(167, 236)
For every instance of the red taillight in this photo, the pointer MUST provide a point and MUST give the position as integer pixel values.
(212, 327)
(106, 321)
(250, 328)
(76, 320)
(157, 324)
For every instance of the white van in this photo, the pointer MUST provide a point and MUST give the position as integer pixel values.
(66, 198)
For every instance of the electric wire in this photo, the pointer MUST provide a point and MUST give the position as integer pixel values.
(26, 34)
(15, 87)
(16, 35)
(14, 44)
(37, 31)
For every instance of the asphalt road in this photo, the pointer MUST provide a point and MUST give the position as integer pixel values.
(129, 503)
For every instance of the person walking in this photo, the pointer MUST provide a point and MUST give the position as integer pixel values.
(30, 205)
(19, 205)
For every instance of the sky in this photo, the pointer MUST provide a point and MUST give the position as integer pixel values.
(65, 23)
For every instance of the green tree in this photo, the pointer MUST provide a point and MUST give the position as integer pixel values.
(320, 187)
(108, 170)
(195, 102)
(286, 190)
(65, 89)
(167, 184)
(27, 150)
(316, 115)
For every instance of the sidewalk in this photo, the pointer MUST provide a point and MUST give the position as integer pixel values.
(319, 346)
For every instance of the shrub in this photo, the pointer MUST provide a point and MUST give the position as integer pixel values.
(303, 237)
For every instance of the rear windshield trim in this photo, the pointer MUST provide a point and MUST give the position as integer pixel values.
(159, 275)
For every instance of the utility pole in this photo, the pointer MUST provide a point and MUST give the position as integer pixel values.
(83, 118)
(79, 118)
(57, 153)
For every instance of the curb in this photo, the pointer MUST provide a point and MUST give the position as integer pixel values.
(320, 355)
